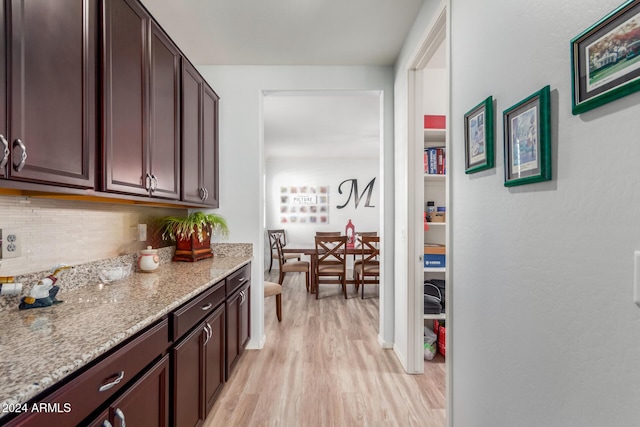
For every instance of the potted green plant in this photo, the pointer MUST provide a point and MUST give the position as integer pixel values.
(192, 234)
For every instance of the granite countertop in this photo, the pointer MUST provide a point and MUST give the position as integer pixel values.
(41, 346)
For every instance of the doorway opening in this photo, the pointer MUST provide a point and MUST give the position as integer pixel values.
(323, 167)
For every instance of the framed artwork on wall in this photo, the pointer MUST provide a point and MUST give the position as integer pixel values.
(527, 140)
(478, 137)
(605, 59)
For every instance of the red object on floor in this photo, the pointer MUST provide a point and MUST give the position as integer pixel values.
(435, 122)
(442, 340)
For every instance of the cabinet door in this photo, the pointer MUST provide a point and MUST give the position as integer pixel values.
(191, 134)
(4, 135)
(209, 158)
(52, 107)
(245, 317)
(188, 379)
(125, 115)
(214, 357)
(146, 403)
(164, 115)
(233, 329)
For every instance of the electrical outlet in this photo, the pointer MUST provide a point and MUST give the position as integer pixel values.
(11, 244)
(142, 232)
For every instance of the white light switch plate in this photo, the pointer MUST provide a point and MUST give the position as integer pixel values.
(636, 277)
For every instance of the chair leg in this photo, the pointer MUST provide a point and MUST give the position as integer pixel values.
(271, 261)
(279, 307)
(307, 280)
(344, 286)
(363, 278)
(281, 278)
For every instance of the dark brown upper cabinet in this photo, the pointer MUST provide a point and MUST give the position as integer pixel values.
(199, 139)
(48, 96)
(141, 104)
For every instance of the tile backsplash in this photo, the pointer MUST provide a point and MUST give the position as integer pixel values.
(75, 232)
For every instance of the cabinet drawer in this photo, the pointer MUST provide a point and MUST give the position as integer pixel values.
(187, 316)
(238, 278)
(93, 387)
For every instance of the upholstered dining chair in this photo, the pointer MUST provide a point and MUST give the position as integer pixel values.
(368, 270)
(291, 266)
(331, 262)
(274, 289)
(280, 234)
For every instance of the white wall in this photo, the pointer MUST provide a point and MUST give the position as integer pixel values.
(241, 168)
(286, 172)
(546, 332)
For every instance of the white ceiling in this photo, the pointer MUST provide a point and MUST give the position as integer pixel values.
(287, 32)
(298, 32)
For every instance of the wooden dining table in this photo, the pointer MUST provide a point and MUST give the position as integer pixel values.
(310, 249)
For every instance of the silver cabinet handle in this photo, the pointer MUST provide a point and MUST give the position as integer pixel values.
(120, 415)
(206, 307)
(207, 336)
(206, 193)
(154, 183)
(5, 152)
(23, 155)
(202, 194)
(147, 182)
(242, 279)
(106, 423)
(107, 386)
(242, 297)
(210, 329)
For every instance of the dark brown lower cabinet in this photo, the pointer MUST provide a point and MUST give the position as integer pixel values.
(238, 325)
(147, 381)
(144, 404)
(198, 370)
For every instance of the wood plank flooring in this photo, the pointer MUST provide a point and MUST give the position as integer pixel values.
(323, 366)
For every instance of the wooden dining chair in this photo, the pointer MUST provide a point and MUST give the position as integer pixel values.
(290, 266)
(331, 262)
(327, 233)
(368, 270)
(357, 261)
(280, 234)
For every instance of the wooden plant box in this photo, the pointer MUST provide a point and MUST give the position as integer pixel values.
(192, 250)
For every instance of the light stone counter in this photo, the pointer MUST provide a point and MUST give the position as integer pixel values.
(39, 347)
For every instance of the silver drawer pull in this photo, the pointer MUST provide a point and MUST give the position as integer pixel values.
(106, 423)
(23, 155)
(242, 279)
(206, 307)
(5, 152)
(120, 415)
(107, 386)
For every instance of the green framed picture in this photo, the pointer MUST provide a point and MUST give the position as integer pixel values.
(605, 59)
(478, 137)
(527, 140)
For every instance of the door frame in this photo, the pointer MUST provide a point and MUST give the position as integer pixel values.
(438, 31)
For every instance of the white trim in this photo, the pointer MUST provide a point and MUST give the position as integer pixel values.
(384, 344)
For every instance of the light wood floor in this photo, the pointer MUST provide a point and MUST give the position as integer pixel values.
(323, 366)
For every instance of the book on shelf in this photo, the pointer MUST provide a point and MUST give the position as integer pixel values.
(435, 160)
